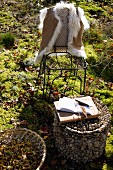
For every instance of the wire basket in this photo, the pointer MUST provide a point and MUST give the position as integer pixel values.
(21, 148)
(83, 140)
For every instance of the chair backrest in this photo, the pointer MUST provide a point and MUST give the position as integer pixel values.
(61, 43)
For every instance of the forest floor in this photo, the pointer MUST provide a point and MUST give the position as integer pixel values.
(18, 87)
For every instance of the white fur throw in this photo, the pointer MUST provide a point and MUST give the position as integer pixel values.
(74, 27)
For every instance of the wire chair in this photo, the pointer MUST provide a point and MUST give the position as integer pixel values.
(60, 66)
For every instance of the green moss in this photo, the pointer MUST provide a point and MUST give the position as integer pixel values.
(91, 54)
(6, 16)
(7, 39)
(19, 87)
(109, 148)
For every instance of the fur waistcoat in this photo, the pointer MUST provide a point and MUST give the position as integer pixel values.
(51, 25)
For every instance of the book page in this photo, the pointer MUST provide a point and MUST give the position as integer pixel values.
(68, 105)
(87, 101)
(69, 109)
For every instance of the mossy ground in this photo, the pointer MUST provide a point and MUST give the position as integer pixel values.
(19, 95)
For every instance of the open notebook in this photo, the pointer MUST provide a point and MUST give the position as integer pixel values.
(69, 109)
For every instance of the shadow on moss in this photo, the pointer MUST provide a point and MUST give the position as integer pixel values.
(37, 114)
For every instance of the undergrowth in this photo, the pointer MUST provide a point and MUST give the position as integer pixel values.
(20, 87)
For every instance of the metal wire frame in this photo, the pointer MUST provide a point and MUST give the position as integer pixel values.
(50, 64)
(71, 72)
